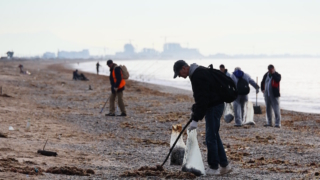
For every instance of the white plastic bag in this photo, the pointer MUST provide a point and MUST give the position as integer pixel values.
(248, 114)
(192, 161)
(228, 115)
(178, 151)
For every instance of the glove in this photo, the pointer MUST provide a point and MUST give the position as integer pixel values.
(193, 125)
(257, 90)
(115, 89)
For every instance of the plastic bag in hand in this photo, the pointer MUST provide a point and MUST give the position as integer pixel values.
(228, 113)
(192, 161)
(248, 114)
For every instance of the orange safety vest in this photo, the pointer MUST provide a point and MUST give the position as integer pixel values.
(122, 83)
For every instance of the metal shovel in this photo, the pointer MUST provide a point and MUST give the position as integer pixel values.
(256, 108)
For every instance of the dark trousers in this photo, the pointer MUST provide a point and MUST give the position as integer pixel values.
(216, 153)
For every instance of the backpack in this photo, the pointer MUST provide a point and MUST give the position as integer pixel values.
(243, 86)
(125, 73)
(226, 88)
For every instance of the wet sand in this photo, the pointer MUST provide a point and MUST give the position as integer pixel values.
(66, 113)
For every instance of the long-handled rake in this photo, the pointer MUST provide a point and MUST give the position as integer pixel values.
(104, 105)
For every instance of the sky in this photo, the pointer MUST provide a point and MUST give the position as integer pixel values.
(213, 26)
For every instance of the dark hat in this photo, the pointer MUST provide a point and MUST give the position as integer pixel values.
(178, 66)
(222, 66)
(109, 62)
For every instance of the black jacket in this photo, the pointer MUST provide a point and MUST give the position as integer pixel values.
(276, 78)
(204, 92)
(117, 70)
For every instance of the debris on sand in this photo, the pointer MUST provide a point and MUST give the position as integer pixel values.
(70, 171)
(30, 162)
(28, 170)
(4, 95)
(3, 135)
(264, 139)
(13, 165)
(7, 161)
(149, 141)
(157, 171)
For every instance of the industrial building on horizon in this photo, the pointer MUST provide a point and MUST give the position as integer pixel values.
(170, 51)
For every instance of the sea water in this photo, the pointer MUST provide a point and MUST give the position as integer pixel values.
(299, 86)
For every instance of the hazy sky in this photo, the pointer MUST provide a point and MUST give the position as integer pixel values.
(31, 27)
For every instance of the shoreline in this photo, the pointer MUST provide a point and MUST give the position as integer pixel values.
(111, 145)
(161, 88)
(188, 91)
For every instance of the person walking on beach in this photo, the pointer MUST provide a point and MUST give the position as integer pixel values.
(117, 87)
(270, 87)
(242, 81)
(98, 65)
(21, 68)
(210, 105)
(224, 70)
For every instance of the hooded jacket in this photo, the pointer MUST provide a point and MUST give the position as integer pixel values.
(240, 74)
(117, 71)
(275, 83)
(204, 92)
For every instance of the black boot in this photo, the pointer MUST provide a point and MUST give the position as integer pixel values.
(110, 114)
(122, 114)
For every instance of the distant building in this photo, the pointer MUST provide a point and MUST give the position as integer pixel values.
(148, 53)
(174, 50)
(84, 54)
(170, 51)
(128, 53)
(49, 55)
(129, 49)
(171, 48)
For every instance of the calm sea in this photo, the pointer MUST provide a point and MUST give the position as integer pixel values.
(300, 83)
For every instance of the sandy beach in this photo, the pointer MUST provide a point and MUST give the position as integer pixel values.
(66, 113)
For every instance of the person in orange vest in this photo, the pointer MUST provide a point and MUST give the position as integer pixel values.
(117, 87)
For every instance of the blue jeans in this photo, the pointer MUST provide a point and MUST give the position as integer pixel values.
(216, 153)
